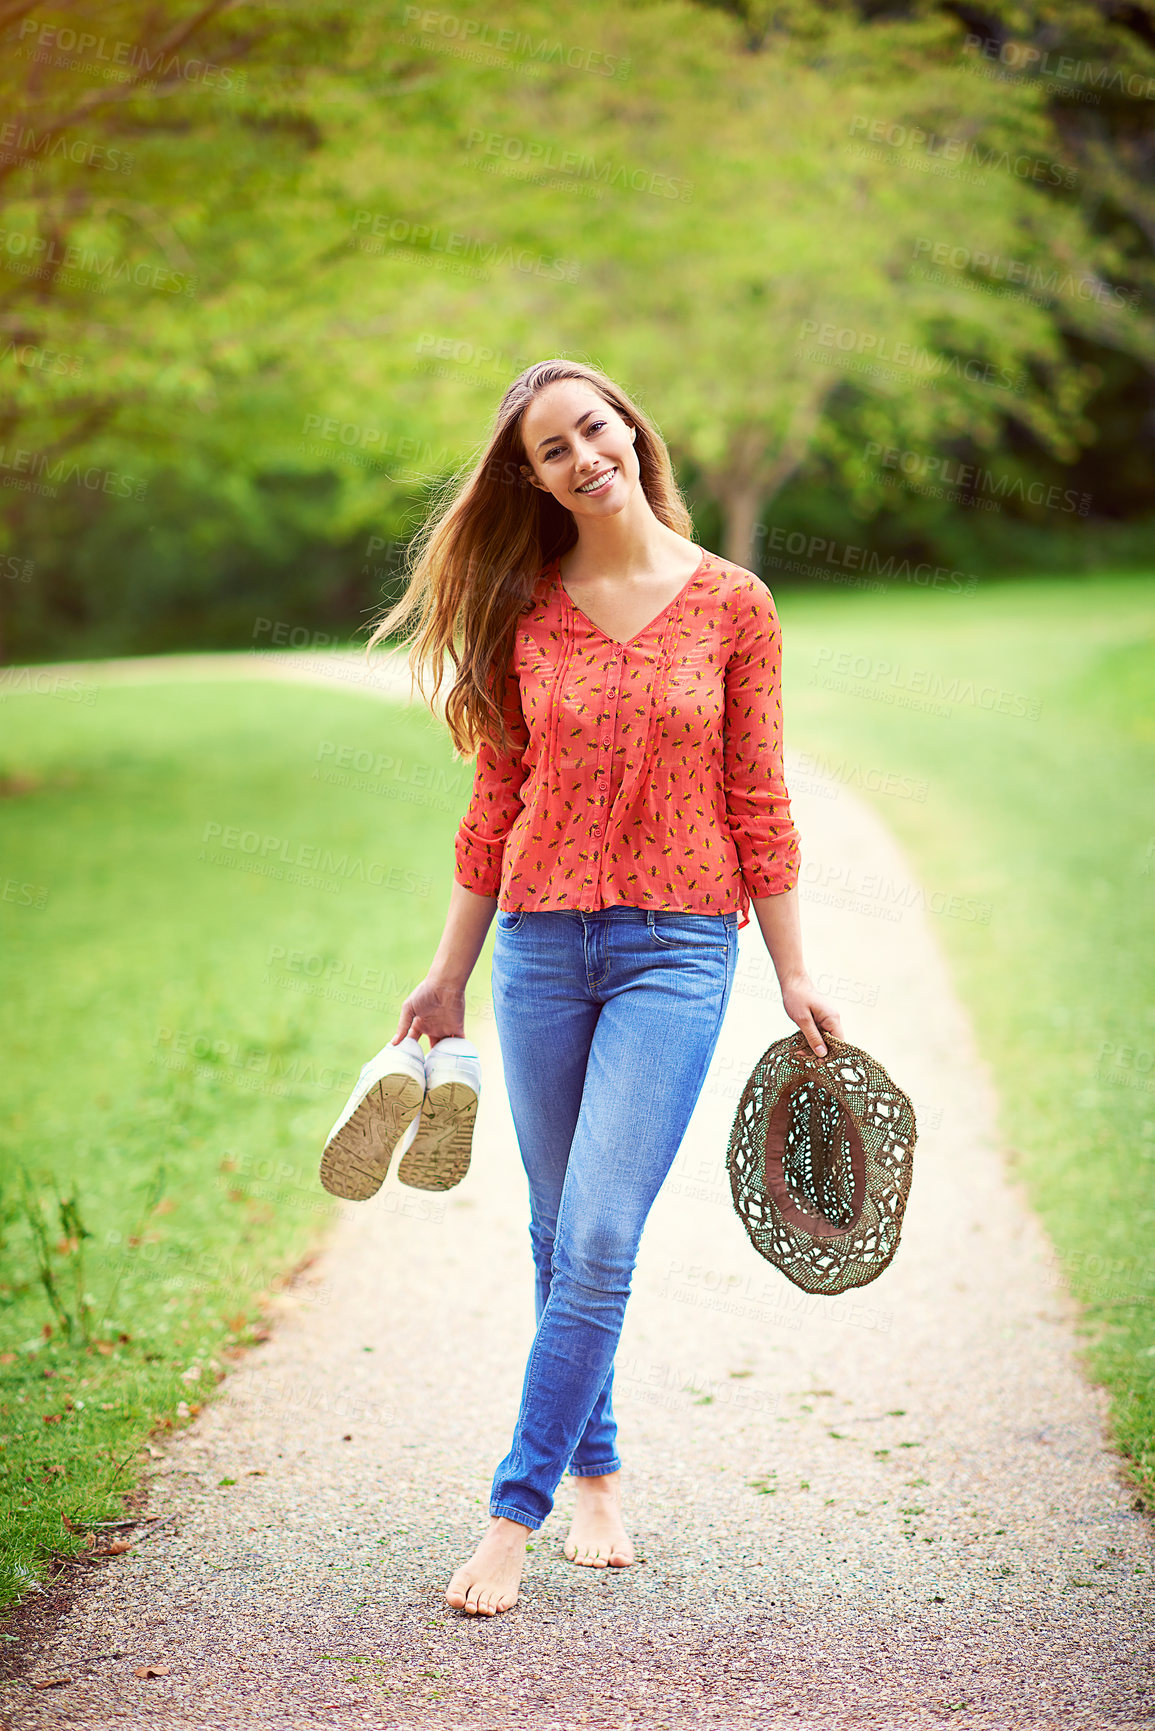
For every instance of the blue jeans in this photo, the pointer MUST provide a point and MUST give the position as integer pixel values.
(607, 1023)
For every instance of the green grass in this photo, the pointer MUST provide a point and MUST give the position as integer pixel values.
(1040, 809)
(178, 1036)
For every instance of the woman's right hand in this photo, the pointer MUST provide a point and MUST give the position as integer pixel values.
(434, 1009)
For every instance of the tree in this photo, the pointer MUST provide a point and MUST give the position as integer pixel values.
(310, 249)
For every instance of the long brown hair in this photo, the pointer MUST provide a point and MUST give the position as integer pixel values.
(473, 564)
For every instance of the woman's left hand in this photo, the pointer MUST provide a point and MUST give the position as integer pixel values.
(813, 1013)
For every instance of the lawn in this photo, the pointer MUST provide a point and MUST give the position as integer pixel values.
(1008, 739)
(213, 897)
(190, 987)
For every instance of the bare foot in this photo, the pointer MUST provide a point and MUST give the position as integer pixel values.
(489, 1582)
(597, 1536)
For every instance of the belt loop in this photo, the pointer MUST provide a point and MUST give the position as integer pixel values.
(650, 919)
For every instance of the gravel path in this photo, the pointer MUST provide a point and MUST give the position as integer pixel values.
(386, 675)
(895, 1509)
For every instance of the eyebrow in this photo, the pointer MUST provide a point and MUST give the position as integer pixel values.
(577, 423)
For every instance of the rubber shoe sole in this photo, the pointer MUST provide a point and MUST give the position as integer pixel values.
(356, 1161)
(439, 1157)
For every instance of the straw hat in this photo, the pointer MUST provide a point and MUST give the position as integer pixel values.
(820, 1160)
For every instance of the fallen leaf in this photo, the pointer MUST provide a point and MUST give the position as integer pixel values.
(152, 1671)
(53, 1417)
(103, 1347)
(7, 1358)
(165, 1207)
(50, 1682)
(117, 1548)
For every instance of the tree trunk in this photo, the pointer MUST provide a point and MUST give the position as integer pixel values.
(753, 476)
(741, 504)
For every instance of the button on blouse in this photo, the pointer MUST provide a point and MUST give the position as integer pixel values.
(641, 774)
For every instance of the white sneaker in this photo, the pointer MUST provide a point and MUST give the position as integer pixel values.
(439, 1155)
(381, 1115)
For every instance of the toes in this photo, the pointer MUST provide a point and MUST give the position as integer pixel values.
(590, 1554)
(593, 1557)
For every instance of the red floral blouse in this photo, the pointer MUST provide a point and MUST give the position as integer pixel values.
(644, 774)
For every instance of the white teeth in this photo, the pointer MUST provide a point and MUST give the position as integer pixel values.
(602, 480)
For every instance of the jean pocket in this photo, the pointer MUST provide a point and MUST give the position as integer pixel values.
(691, 931)
(509, 922)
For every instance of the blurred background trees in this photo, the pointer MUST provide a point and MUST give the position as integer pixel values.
(884, 275)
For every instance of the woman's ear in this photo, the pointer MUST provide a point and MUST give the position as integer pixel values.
(527, 474)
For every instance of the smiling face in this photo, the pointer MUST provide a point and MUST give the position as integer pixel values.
(574, 439)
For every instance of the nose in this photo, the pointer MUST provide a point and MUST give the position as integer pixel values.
(585, 455)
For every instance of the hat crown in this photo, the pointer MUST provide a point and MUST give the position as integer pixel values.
(817, 1155)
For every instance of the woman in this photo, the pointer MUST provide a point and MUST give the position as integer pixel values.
(621, 688)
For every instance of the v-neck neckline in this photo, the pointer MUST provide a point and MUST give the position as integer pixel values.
(625, 642)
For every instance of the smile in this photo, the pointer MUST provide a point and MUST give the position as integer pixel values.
(598, 482)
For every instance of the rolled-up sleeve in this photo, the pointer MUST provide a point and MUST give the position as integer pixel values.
(757, 803)
(494, 803)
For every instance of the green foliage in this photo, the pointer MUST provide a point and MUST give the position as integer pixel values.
(264, 292)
